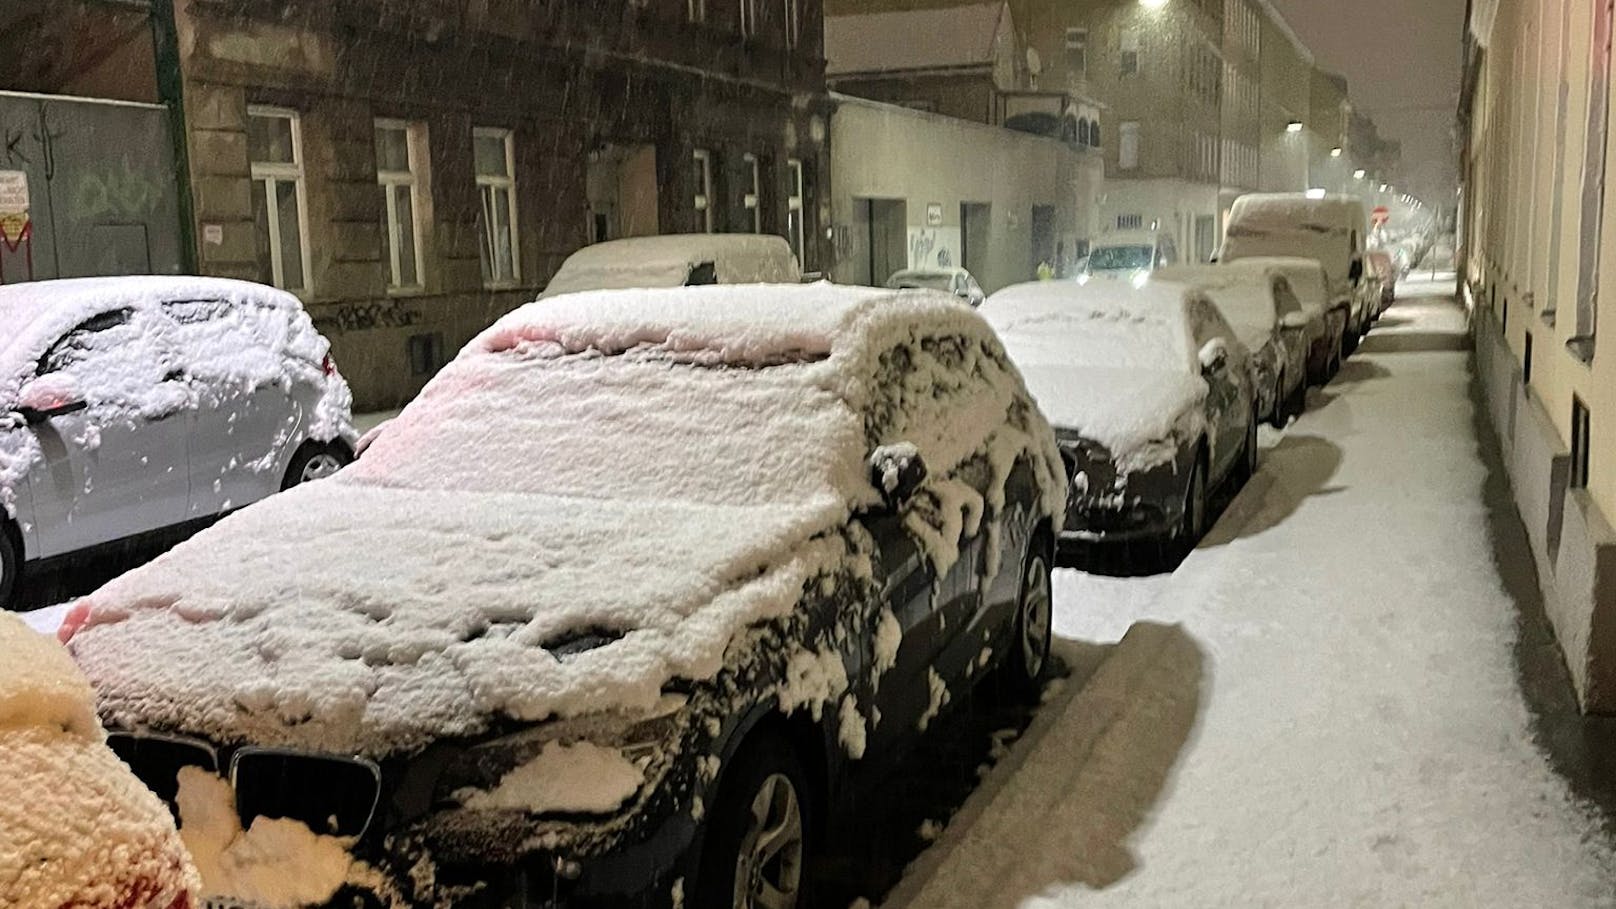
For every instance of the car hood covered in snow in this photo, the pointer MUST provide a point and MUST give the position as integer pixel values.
(1124, 410)
(596, 498)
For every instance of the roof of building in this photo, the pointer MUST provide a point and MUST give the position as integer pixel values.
(947, 37)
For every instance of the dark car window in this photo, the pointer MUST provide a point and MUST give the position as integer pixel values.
(705, 273)
(76, 345)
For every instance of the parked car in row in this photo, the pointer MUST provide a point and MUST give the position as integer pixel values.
(612, 652)
(76, 827)
(1326, 325)
(1149, 393)
(1330, 230)
(139, 404)
(676, 260)
(1129, 256)
(1269, 321)
(956, 281)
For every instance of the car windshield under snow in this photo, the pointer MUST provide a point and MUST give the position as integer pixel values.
(1120, 258)
(923, 281)
(642, 424)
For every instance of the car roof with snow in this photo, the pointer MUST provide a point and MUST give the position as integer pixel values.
(595, 497)
(1244, 296)
(1306, 276)
(1127, 238)
(666, 261)
(33, 315)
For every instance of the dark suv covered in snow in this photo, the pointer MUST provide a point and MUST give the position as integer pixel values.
(607, 615)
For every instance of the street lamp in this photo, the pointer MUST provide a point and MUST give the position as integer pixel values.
(1335, 152)
(1359, 174)
(1295, 126)
(1152, 4)
(1384, 187)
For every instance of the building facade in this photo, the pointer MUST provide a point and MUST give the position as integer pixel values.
(1541, 285)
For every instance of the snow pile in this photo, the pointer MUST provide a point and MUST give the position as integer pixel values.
(76, 827)
(578, 778)
(666, 261)
(598, 496)
(178, 337)
(279, 863)
(1109, 362)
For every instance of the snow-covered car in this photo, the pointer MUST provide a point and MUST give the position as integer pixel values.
(1130, 256)
(1382, 275)
(133, 405)
(1326, 324)
(1331, 230)
(1269, 321)
(1150, 396)
(676, 260)
(612, 607)
(77, 829)
(956, 281)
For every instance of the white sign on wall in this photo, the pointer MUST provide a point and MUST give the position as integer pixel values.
(13, 204)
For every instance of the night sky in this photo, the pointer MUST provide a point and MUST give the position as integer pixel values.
(1402, 60)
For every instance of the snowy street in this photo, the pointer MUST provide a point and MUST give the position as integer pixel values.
(1328, 711)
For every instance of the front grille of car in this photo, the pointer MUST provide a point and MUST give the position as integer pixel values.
(1107, 519)
(333, 795)
(158, 759)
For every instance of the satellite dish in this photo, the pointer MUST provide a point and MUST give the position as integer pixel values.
(1035, 63)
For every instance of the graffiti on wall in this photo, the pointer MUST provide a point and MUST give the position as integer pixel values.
(367, 315)
(113, 193)
(934, 247)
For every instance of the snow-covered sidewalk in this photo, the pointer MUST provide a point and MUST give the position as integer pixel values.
(1354, 735)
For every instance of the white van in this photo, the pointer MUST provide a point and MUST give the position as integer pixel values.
(1329, 230)
(677, 260)
(1129, 256)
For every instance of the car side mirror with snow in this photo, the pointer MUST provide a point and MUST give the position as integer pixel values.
(1296, 319)
(1214, 356)
(898, 472)
(52, 395)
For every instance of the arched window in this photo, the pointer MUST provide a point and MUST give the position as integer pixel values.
(1083, 131)
(1094, 134)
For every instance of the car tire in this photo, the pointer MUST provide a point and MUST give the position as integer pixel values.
(743, 852)
(1026, 665)
(1192, 526)
(315, 461)
(10, 567)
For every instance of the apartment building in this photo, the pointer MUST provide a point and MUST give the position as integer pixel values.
(1535, 116)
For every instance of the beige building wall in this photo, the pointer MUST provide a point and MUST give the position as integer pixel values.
(1527, 240)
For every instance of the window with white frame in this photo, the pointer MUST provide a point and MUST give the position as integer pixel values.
(1129, 47)
(752, 200)
(793, 23)
(794, 210)
(400, 149)
(703, 160)
(749, 18)
(1128, 145)
(494, 154)
(1077, 51)
(696, 10)
(280, 209)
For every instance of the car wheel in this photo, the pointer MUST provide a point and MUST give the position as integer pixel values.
(757, 849)
(10, 567)
(1026, 667)
(315, 461)
(1193, 524)
(1295, 403)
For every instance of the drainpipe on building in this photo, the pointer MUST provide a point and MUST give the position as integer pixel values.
(171, 92)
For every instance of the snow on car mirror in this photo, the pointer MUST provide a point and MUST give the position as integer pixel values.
(1296, 319)
(51, 395)
(898, 472)
(1214, 355)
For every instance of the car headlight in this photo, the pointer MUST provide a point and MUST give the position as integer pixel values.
(639, 740)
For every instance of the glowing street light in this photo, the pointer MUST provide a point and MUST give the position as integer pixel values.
(1316, 193)
(1152, 4)
(1335, 152)
(1359, 174)
(1295, 126)
(1384, 187)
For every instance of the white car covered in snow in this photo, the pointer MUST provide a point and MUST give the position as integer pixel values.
(1307, 280)
(677, 260)
(609, 612)
(1150, 396)
(1270, 322)
(77, 829)
(956, 281)
(133, 405)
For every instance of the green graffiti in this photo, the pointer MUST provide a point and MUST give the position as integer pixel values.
(115, 192)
